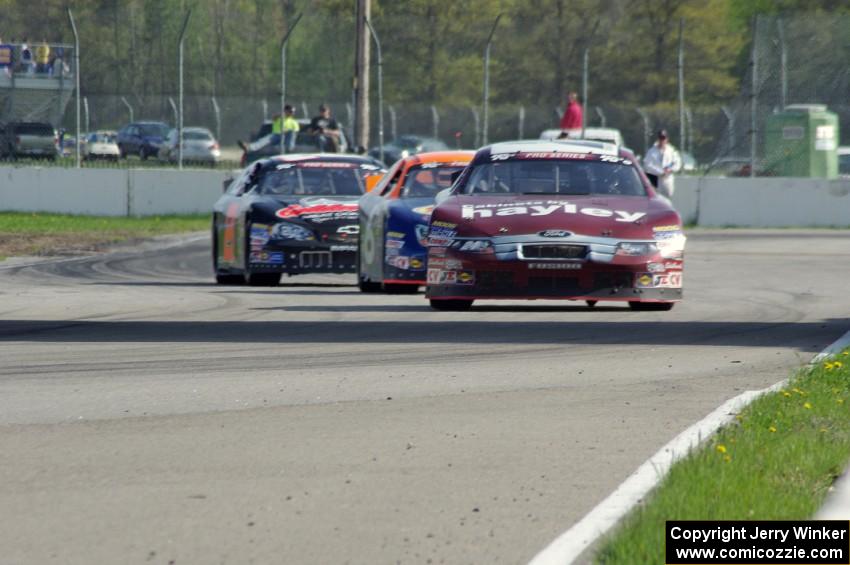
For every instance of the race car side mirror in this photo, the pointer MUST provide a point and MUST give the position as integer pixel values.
(372, 181)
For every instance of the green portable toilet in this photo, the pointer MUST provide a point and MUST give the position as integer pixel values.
(802, 141)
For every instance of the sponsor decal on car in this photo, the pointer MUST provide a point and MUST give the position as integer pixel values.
(441, 236)
(260, 233)
(399, 262)
(424, 210)
(267, 257)
(395, 234)
(555, 266)
(421, 231)
(416, 263)
(321, 210)
(394, 244)
(344, 248)
(466, 277)
(554, 233)
(352, 229)
(544, 208)
(442, 276)
(644, 279)
(328, 165)
(668, 280)
(442, 224)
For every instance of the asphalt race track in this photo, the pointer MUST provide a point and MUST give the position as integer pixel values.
(150, 416)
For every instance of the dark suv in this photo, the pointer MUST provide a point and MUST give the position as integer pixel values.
(29, 139)
(142, 138)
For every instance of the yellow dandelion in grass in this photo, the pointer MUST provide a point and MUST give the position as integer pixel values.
(786, 394)
(807, 405)
(839, 400)
(827, 366)
(846, 353)
(823, 430)
(772, 429)
(727, 458)
(739, 417)
(837, 364)
(721, 448)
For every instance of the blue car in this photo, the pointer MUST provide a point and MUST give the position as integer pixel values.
(394, 220)
(142, 138)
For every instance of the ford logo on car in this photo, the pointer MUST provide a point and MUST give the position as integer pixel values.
(555, 233)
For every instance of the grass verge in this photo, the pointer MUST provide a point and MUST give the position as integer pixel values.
(26, 233)
(775, 462)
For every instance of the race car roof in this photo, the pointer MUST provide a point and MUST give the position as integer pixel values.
(553, 146)
(442, 157)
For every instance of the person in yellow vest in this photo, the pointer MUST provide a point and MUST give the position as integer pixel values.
(290, 128)
(42, 57)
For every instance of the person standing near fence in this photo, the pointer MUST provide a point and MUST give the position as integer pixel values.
(660, 163)
(42, 57)
(290, 128)
(573, 114)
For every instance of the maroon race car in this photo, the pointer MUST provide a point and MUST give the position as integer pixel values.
(573, 220)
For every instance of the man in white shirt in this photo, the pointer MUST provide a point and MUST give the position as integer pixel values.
(660, 162)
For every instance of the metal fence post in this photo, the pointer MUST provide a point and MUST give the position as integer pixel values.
(380, 89)
(349, 113)
(689, 130)
(647, 132)
(393, 121)
(486, 104)
(783, 65)
(730, 119)
(77, 80)
(305, 109)
(521, 124)
(753, 97)
(180, 89)
(174, 110)
(681, 78)
(265, 109)
(435, 122)
(217, 112)
(283, 44)
(601, 115)
(584, 77)
(129, 108)
(477, 120)
(86, 110)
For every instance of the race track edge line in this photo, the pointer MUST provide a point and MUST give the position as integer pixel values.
(571, 544)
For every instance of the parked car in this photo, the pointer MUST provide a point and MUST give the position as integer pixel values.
(29, 139)
(407, 145)
(266, 144)
(199, 146)
(142, 138)
(101, 145)
(394, 220)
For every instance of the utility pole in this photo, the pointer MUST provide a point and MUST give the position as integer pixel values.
(783, 65)
(584, 77)
(363, 12)
(283, 44)
(754, 97)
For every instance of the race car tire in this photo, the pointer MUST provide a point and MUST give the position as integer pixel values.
(365, 286)
(451, 305)
(651, 306)
(391, 288)
(591, 303)
(262, 279)
(223, 277)
(229, 279)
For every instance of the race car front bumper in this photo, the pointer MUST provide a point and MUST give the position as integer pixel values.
(304, 259)
(532, 269)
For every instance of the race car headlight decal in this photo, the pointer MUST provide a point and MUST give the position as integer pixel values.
(287, 230)
(472, 245)
(636, 249)
(422, 234)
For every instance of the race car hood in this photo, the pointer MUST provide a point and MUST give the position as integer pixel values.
(626, 217)
(323, 215)
(412, 209)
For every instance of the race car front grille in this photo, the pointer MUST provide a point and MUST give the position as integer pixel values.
(613, 280)
(549, 284)
(554, 251)
(315, 259)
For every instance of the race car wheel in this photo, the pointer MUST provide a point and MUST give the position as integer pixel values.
(451, 305)
(263, 279)
(591, 303)
(651, 306)
(391, 288)
(368, 286)
(229, 279)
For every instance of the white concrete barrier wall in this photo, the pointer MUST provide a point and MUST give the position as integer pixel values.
(109, 192)
(705, 201)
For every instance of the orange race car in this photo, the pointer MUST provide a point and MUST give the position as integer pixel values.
(394, 220)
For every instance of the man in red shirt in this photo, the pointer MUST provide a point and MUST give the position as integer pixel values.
(572, 116)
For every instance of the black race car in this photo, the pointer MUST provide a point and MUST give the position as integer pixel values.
(290, 214)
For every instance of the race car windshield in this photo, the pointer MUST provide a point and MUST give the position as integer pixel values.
(300, 181)
(424, 181)
(554, 176)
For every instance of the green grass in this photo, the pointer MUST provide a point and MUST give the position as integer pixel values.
(775, 462)
(25, 233)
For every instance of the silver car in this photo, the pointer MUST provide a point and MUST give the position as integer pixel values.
(29, 139)
(199, 146)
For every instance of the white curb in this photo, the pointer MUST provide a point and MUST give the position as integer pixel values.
(567, 547)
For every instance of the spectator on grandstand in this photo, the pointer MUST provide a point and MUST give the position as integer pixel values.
(7, 58)
(42, 57)
(572, 117)
(326, 129)
(26, 57)
(290, 128)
